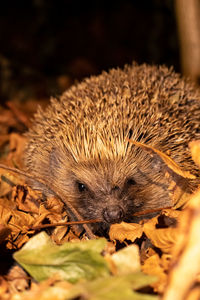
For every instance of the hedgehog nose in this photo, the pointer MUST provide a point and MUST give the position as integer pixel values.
(113, 214)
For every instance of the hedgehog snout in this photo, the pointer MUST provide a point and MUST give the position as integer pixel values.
(113, 214)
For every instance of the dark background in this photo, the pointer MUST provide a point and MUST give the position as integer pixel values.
(46, 45)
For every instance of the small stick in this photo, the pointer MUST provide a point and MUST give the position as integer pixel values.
(64, 224)
(150, 211)
(140, 213)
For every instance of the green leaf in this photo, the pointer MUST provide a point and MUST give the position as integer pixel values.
(110, 288)
(41, 258)
(113, 287)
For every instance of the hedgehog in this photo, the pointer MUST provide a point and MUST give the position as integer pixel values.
(80, 145)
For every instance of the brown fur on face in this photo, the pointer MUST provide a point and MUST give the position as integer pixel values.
(110, 191)
(79, 147)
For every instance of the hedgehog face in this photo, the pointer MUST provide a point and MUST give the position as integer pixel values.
(108, 189)
(112, 191)
(106, 201)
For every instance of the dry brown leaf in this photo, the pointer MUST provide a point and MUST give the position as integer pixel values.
(26, 199)
(51, 215)
(57, 214)
(125, 231)
(162, 238)
(59, 233)
(72, 237)
(20, 221)
(16, 220)
(44, 213)
(154, 265)
(195, 151)
(54, 204)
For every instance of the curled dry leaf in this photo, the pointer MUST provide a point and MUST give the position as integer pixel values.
(16, 221)
(125, 231)
(162, 238)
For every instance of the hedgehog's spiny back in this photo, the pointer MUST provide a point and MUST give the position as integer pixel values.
(94, 118)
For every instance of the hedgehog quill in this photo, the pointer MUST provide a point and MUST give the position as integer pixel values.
(79, 144)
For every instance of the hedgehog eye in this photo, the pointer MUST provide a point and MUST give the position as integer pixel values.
(131, 181)
(81, 187)
(115, 188)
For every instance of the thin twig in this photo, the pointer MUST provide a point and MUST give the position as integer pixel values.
(140, 213)
(150, 211)
(64, 224)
